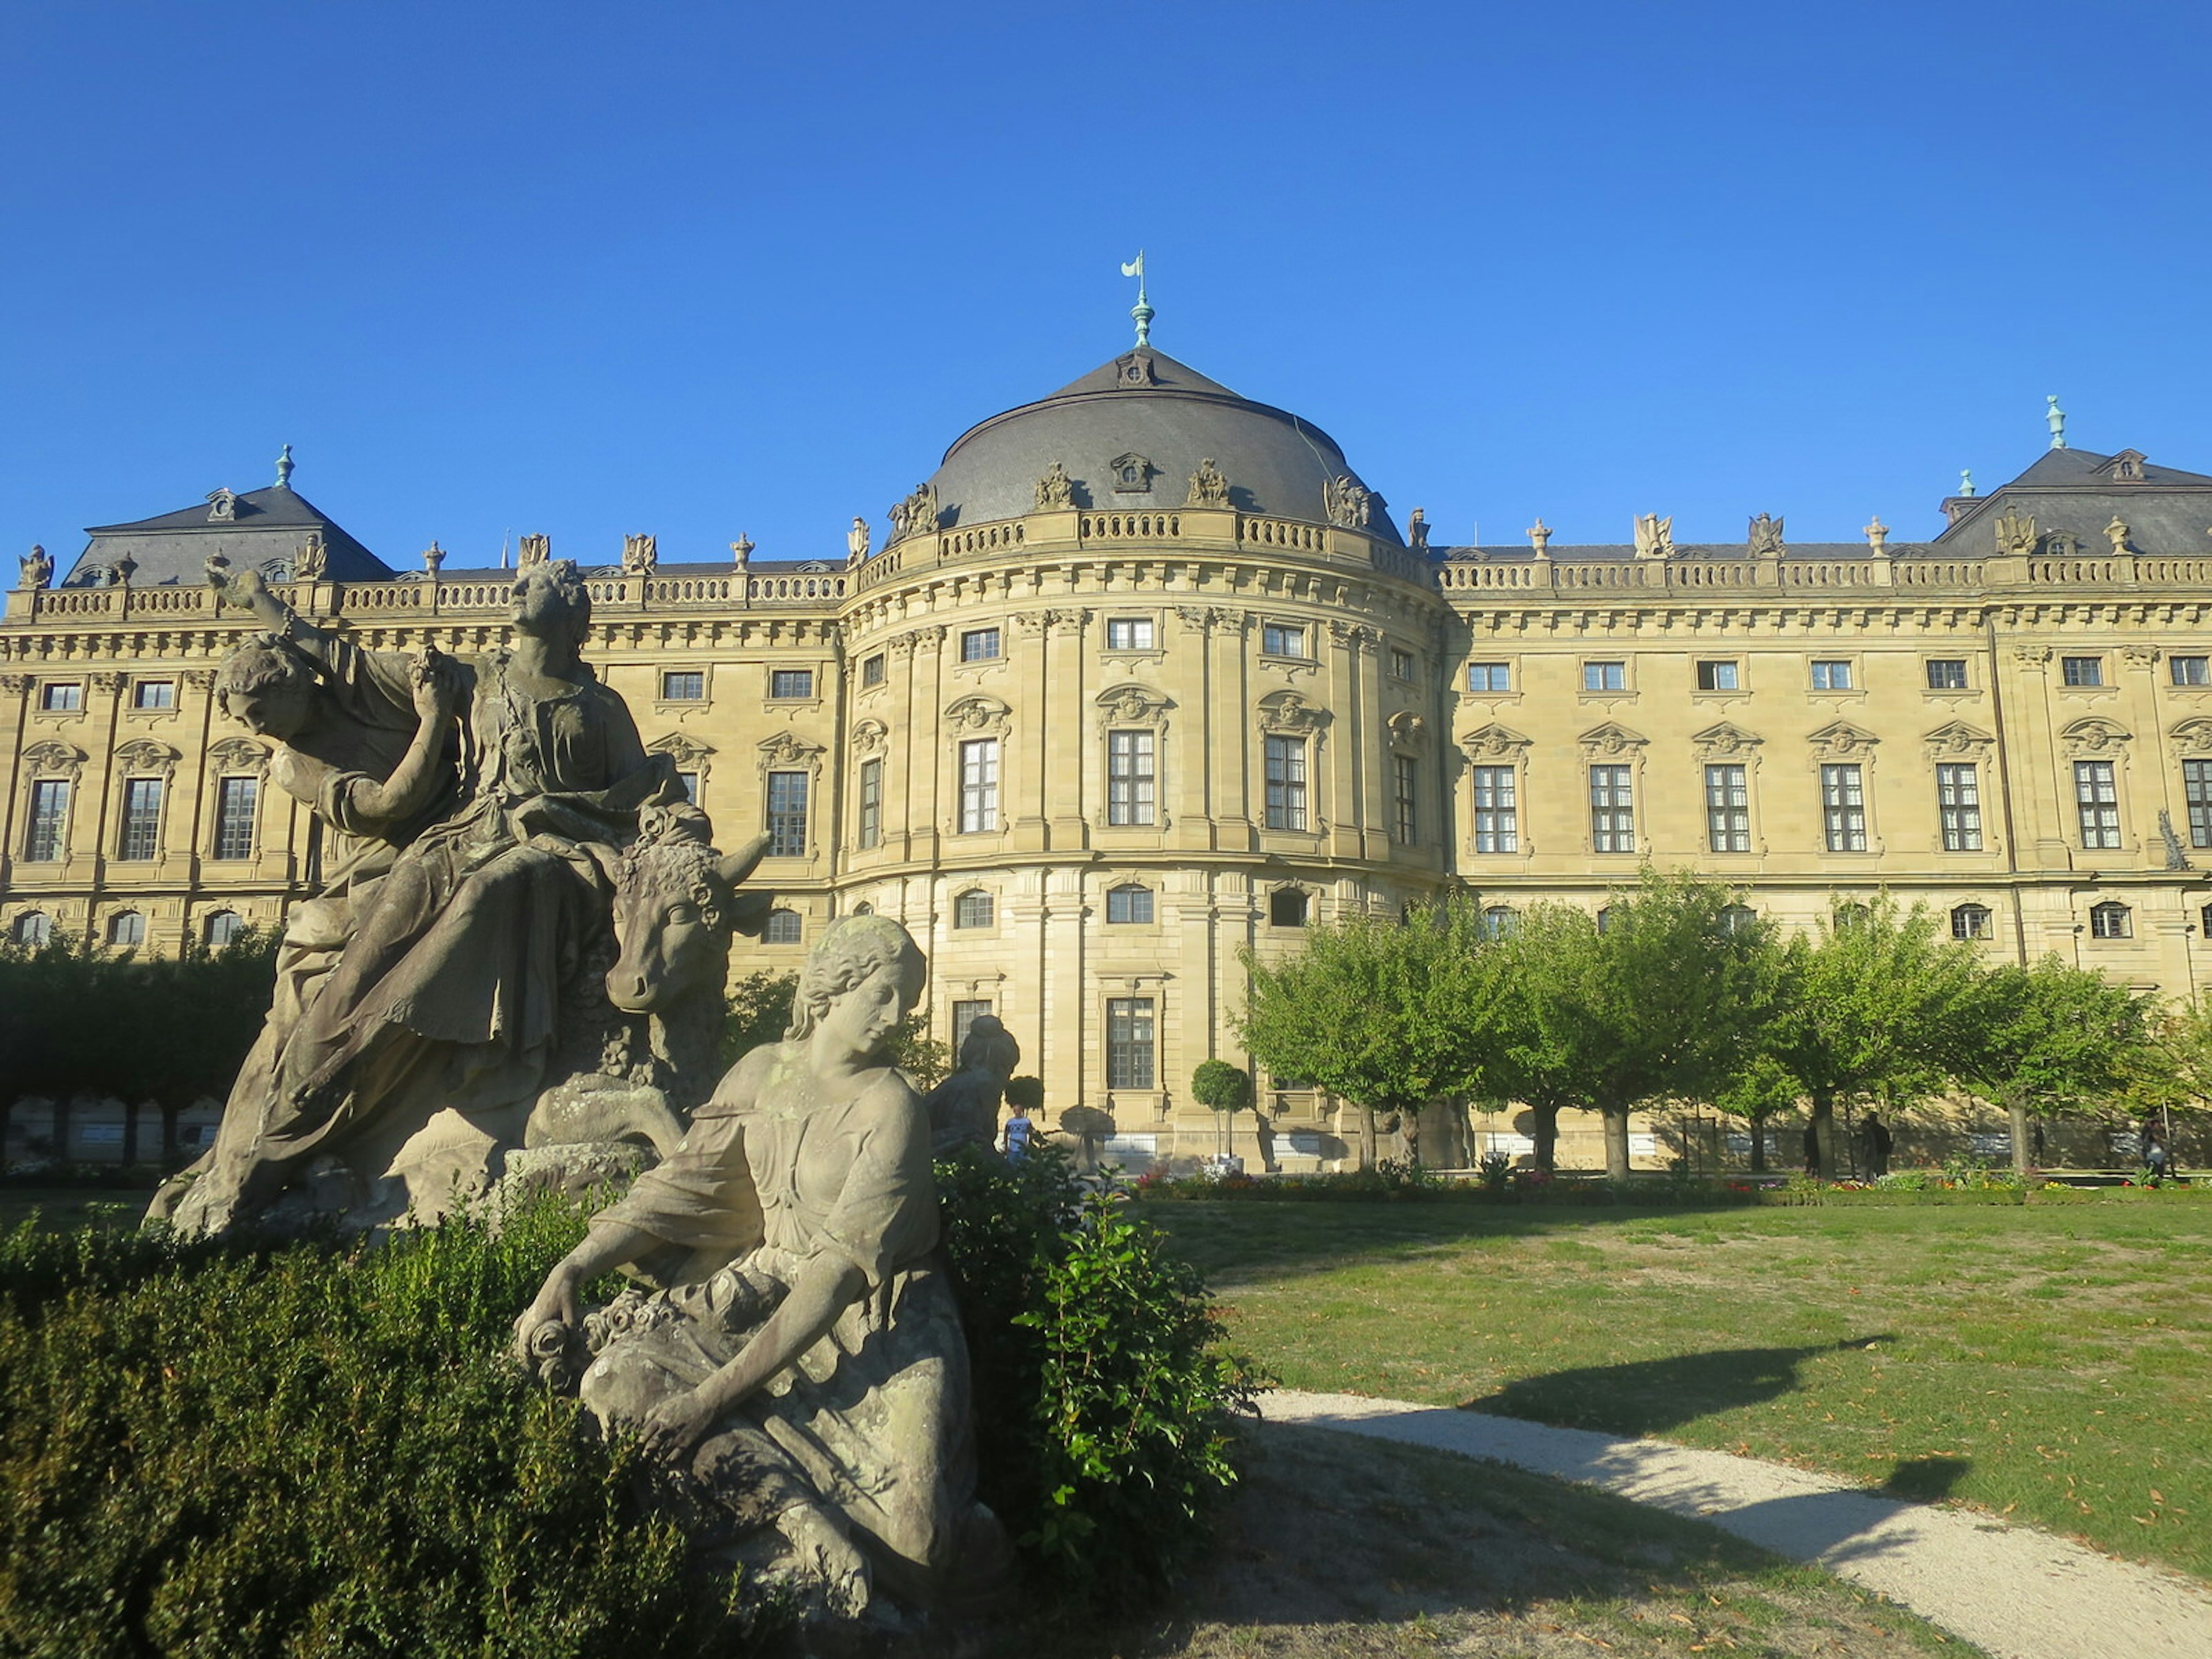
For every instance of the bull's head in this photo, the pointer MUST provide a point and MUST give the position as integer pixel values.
(676, 905)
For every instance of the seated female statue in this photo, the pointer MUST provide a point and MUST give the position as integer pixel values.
(806, 1362)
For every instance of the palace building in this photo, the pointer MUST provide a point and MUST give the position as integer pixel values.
(1146, 674)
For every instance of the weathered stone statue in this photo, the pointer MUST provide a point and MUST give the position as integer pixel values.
(1209, 485)
(856, 540)
(805, 1359)
(482, 809)
(1055, 491)
(312, 561)
(964, 1108)
(38, 569)
(641, 554)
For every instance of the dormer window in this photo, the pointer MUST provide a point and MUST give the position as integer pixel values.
(2126, 467)
(222, 505)
(1132, 475)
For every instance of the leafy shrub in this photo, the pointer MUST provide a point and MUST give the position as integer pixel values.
(210, 1449)
(1106, 1406)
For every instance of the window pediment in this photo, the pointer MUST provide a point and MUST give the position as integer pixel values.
(239, 755)
(145, 756)
(1610, 739)
(1841, 738)
(1409, 732)
(1493, 743)
(2093, 735)
(689, 753)
(788, 750)
(52, 759)
(2193, 738)
(1725, 741)
(1289, 712)
(1957, 740)
(979, 714)
(1132, 704)
(870, 736)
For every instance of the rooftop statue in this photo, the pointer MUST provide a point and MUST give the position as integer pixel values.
(440, 978)
(38, 569)
(805, 1360)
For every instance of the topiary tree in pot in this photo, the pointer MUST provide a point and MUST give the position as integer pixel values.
(1228, 1088)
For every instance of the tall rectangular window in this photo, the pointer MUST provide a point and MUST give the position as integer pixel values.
(1496, 812)
(872, 670)
(2197, 791)
(49, 817)
(786, 815)
(871, 803)
(1129, 1042)
(2096, 793)
(691, 783)
(1842, 808)
(791, 682)
(1613, 814)
(1832, 675)
(2081, 671)
(1131, 782)
(1490, 677)
(1728, 809)
(1947, 673)
(1959, 804)
(979, 645)
(1286, 783)
(1605, 676)
(141, 835)
(979, 786)
(235, 799)
(964, 1016)
(1403, 666)
(1404, 776)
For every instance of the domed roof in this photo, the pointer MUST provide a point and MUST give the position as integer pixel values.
(1130, 434)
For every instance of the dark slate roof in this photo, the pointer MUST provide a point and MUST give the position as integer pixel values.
(2070, 492)
(171, 550)
(1276, 462)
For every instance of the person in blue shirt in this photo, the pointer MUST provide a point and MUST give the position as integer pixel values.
(1018, 1134)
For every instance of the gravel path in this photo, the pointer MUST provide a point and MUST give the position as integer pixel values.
(2013, 1591)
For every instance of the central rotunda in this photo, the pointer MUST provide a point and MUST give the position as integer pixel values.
(1145, 677)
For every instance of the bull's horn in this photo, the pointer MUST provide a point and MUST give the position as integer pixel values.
(734, 867)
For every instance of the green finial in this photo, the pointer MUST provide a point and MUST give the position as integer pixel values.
(2057, 417)
(1965, 482)
(1142, 311)
(284, 469)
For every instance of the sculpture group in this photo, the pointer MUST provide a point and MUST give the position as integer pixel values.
(511, 971)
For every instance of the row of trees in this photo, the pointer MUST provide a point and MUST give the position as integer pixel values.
(1677, 993)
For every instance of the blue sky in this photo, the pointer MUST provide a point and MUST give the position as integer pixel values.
(697, 270)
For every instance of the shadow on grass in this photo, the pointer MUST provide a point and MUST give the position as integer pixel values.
(1650, 1396)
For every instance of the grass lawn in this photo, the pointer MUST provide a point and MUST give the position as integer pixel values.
(2046, 1361)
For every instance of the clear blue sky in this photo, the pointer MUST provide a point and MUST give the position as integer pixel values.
(702, 269)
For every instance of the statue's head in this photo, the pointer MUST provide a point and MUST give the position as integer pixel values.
(675, 903)
(552, 601)
(989, 1047)
(850, 956)
(269, 687)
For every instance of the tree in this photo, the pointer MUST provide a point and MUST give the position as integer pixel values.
(1386, 1013)
(1762, 1088)
(1661, 998)
(1228, 1089)
(1878, 1001)
(2039, 1039)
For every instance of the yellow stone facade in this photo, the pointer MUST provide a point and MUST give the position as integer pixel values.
(1090, 751)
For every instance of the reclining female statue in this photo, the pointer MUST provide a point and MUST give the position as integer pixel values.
(482, 863)
(806, 1361)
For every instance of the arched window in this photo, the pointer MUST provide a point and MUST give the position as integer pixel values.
(1735, 918)
(1286, 908)
(2111, 919)
(863, 909)
(126, 928)
(1849, 914)
(2204, 920)
(222, 928)
(1130, 902)
(783, 928)
(33, 928)
(1604, 919)
(973, 909)
(1971, 921)
(1498, 921)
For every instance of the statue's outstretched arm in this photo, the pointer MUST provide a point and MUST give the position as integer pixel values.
(243, 588)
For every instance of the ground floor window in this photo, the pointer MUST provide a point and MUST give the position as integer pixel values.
(1129, 1042)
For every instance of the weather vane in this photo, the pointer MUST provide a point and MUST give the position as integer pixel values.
(1142, 311)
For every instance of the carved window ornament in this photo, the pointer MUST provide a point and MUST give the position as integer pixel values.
(1288, 713)
(978, 716)
(1956, 740)
(223, 504)
(144, 758)
(2093, 735)
(1409, 732)
(1841, 740)
(2126, 467)
(1727, 741)
(1136, 369)
(1131, 704)
(869, 737)
(2031, 656)
(1611, 740)
(788, 751)
(2193, 738)
(1494, 743)
(237, 756)
(2140, 656)
(1132, 474)
(689, 753)
(53, 760)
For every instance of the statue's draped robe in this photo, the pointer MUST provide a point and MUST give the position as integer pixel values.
(873, 1421)
(444, 947)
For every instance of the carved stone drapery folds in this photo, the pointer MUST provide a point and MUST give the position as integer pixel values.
(144, 758)
(2094, 736)
(240, 755)
(1955, 740)
(1131, 704)
(978, 715)
(52, 759)
(1493, 743)
(1841, 740)
(1288, 713)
